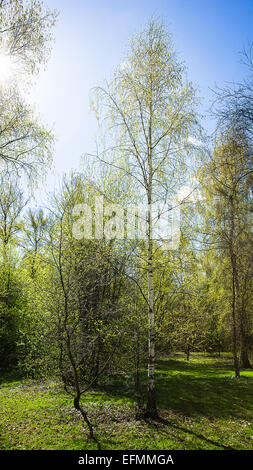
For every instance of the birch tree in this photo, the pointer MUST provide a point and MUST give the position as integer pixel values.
(25, 43)
(149, 109)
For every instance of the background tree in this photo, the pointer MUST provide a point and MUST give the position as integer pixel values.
(229, 173)
(26, 33)
(11, 205)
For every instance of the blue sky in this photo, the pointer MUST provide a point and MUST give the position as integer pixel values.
(91, 37)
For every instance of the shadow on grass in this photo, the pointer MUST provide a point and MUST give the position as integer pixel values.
(155, 424)
(205, 389)
(7, 378)
(208, 366)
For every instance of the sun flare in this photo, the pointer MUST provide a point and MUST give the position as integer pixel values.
(8, 69)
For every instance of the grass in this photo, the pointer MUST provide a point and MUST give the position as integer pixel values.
(202, 406)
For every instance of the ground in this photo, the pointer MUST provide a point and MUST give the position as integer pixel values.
(202, 406)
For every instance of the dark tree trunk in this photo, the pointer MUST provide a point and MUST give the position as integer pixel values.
(235, 291)
(234, 323)
(244, 356)
(188, 353)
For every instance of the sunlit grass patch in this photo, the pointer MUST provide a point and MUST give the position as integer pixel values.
(201, 404)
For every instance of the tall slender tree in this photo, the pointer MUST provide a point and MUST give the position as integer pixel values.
(150, 108)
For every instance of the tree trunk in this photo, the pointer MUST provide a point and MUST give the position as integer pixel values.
(78, 394)
(151, 410)
(137, 371)
(151, 396)
(244, 330)
(85, 418)
(235, 290)
(234, 326)
(244, 356)
(188, 353)
(97, 363)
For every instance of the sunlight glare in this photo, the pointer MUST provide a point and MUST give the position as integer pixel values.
(7, 69)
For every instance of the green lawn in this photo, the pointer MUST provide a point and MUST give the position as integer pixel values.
(202, 406)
